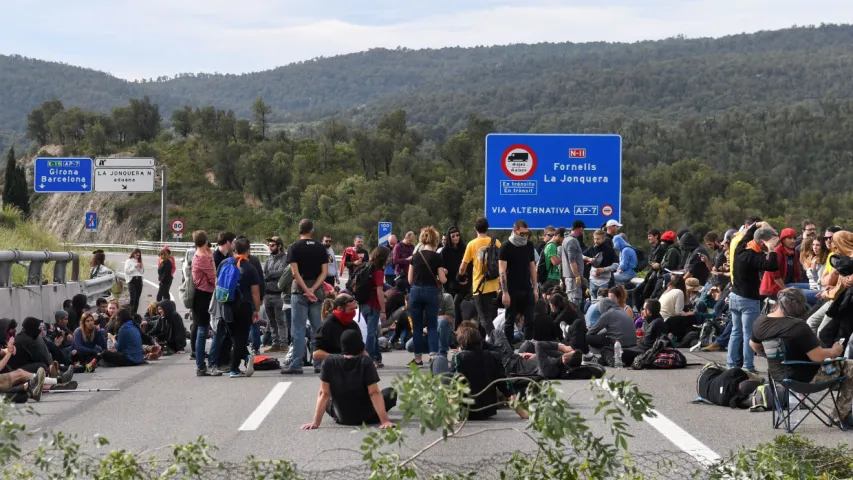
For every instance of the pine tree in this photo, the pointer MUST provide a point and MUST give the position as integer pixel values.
(15, 187)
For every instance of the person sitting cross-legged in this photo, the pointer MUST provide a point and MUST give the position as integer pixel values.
(349, 388)
(341, 319)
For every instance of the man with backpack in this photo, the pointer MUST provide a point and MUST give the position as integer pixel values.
(308, 263)
(483, 252)
(366, 284)
(273, 269)
(548, 268)
(238, 289)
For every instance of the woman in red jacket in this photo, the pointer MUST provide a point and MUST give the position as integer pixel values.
(789, 274)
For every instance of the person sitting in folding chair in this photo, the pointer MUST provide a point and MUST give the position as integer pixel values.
(797, 361)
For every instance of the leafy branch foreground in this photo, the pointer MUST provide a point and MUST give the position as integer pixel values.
(563, 446)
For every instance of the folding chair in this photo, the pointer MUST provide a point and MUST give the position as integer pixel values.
(803, 392)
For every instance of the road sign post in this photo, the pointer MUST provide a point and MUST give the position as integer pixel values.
(62, 175)
(91, 221)
(177, 225)
(552, 179)
(384, 232)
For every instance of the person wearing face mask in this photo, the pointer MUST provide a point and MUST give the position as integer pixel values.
(517, 267)
(338, 321)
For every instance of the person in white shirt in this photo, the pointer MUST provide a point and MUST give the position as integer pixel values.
(672, 300)
(133, 271)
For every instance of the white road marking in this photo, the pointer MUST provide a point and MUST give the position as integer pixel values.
(675, 434)
(257, 417)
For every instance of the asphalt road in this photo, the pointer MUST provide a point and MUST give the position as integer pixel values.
(164, 403)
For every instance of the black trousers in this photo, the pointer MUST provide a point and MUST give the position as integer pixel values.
(457, 307)
(388, 394)
(201, 315)
(117, 359)
(598, 341)
(487, 311)
(163, 291)
(238, 330)
(679, 325)
(521, 303)
(134, 287)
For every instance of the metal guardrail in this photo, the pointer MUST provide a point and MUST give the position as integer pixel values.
(256, 249)
(37, 298)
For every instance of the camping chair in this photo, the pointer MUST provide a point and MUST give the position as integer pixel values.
(803, 392)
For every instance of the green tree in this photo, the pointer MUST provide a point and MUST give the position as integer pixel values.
(261, 112)
(182, 121)
(15, 190)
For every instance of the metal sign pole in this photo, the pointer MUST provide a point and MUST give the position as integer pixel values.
(163, 192)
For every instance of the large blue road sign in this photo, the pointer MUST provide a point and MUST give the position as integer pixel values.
(63, 175)
(384, 232)
(553, 179)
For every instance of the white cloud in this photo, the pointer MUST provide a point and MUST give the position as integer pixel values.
(145, 39)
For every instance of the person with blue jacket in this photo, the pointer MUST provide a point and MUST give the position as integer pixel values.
(127, 344)
(628, 261)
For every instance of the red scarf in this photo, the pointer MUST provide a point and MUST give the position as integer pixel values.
(344, 317)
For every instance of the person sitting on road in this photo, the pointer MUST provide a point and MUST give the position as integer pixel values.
(653, 328)
(627, 269)
(482, 368)
(673, 299)
(31, 353)
(619, 295)
(340, 318)
(549, 360)
(349, 386)
(150, 347)
(592, 311)
(613, 325)
(127, 344)
(174, 336)
(785, 324)
(19, 385)
(572, 325)
(89, 343)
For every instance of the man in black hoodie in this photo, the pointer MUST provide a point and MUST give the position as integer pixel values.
(452, 254)
(31, 350)
(653, 328)
(174, 332)
(696, 258)
(753, 255)
(79, 305)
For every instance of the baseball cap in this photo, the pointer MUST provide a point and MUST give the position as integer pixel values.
(613, 223)
(578, 224)
(275, 239)
(788, 232)
(693, 285)
(728, 236)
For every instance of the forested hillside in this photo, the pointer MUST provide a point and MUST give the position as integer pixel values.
(543, 87)
(225, 173)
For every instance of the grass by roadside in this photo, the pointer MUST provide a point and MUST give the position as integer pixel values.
(26, 235)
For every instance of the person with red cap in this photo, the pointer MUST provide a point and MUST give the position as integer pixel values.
(666, 256)
(789, 273)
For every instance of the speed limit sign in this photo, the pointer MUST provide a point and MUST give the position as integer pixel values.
(177, 225)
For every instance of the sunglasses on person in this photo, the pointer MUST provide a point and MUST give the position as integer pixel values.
(828, 239)
(548, 235)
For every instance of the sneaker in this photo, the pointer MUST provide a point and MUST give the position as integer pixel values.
(192, 356)
(273, 349)
(711, 348)
(72, 385)
(66, 376)
(291, 371)
(212, 371)
(238, 374)
(35, 385)
(416, 363)
(224, 368)
(250, 365)
(202, 372)
(91, 366)
(382, 365)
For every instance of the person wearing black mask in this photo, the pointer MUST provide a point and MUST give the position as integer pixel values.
(452, 253)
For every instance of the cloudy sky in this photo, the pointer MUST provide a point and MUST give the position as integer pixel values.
(147, 38)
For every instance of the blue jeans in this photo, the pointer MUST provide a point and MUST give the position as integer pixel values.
(624, 278)
(371, 317)
(287, 321)
(811, 295)
(592, 314)
(723, 340)
(255, 336)
(200, 344)
(218, 337)
(444, 329)
(303, 312)
(423, 306)
(744, 311)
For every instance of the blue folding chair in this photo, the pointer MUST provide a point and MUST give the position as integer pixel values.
(803, 392)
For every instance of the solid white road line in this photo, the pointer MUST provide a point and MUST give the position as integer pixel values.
(266, 406)
(675, 434)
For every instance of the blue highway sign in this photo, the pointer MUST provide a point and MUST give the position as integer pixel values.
(384, 232)
(62, 175)
(553, 179)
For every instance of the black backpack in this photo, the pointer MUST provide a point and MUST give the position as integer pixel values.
(720, 385)
(642, 259)
(542, 268)
(490, 264)
(359, 284)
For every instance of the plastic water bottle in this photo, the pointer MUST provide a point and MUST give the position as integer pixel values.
(110, 343)
(795, 412)
(617, 354)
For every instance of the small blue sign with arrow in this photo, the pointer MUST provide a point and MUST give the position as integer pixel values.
(91, 221)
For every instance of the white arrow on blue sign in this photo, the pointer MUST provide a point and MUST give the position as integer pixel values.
(384, 232)
(91, 221)
(62, 175)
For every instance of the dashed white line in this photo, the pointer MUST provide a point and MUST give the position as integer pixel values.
(675, 434)
(257, 417)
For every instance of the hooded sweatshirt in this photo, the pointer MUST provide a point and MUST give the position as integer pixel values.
(768, 281)
(692, 263)
(628, 263)
(174, 333)
(78, 305)
(618, 324)
(652, 330)
(7, 331)
(30, 346)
